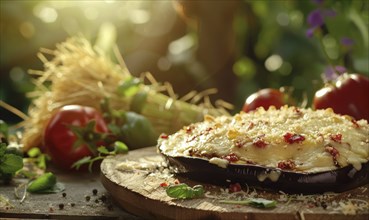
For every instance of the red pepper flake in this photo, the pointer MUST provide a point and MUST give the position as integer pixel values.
(251, 125)
(203, 132)
(287, 165)
(239, 142)
(231, 157)
(336, 137)
(297, 111)
(236, 187)
(164, 184)
(192, 152)
(334, 152)
(188, 129)
(164, 136)
(206, 131)
(250, 162)
(293, 138)
(355, 123)
(260, 142)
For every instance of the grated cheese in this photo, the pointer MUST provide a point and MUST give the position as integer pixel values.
(285, 138)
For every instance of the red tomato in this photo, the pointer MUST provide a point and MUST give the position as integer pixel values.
(347, 95)
(264, 98)
(59, 139)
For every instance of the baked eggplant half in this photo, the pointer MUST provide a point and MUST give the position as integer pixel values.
(290, 149)
(338, 180)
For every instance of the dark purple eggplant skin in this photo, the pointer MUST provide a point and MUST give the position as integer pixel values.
(338, 180)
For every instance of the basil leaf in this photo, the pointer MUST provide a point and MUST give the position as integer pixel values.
(42, 183)
(255, 202)
(183, 191)
(2, 150)
(262, 203)
(11, 163)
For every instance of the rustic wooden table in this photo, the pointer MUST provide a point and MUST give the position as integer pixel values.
(134, 181)
(99, 196)
(84, 197)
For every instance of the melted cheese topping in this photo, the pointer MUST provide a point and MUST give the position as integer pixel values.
(303, 140)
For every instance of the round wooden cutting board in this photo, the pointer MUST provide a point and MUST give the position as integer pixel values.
(135, 181)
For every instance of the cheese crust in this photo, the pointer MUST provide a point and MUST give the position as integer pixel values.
(290, 138)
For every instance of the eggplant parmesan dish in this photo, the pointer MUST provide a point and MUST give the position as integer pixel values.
(291, 149)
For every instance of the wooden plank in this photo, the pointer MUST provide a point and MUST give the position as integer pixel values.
(134, 182)
(77, 187)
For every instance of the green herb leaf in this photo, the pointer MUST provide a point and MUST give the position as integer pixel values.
(34, 152)
(255, 202)
(103, 150)
(41, 161)
(39, 157)
(129, 87)
(183, 191)
(4, 129)
(262, 203)
(79, 163)
(42, 183)
(114, 129)
(11, 163)
(120, 147)
(2, 149)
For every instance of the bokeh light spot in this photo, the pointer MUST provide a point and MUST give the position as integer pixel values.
(273, 63)
(17, 74)
(283, 19)
(45, 13)
(27, 29)
(91, 13)
(139, 16)
(244, 68)
(182, 44)
(164, 64)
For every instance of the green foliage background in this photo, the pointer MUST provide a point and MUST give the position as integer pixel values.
(145, 31)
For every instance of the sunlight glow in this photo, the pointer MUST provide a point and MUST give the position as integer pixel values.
(45, 13)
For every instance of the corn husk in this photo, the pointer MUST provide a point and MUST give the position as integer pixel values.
(77, 73)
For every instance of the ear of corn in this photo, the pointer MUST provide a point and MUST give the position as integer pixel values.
(78, 74)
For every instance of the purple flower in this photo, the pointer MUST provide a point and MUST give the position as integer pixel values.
(346, 41)
(332, 72)
(316, 18)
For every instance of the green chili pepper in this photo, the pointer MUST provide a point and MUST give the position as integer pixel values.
(42, 183)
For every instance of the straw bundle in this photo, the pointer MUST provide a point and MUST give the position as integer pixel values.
(77, 73)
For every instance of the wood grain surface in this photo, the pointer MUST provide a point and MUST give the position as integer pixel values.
(77, 201)
(134, 181)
